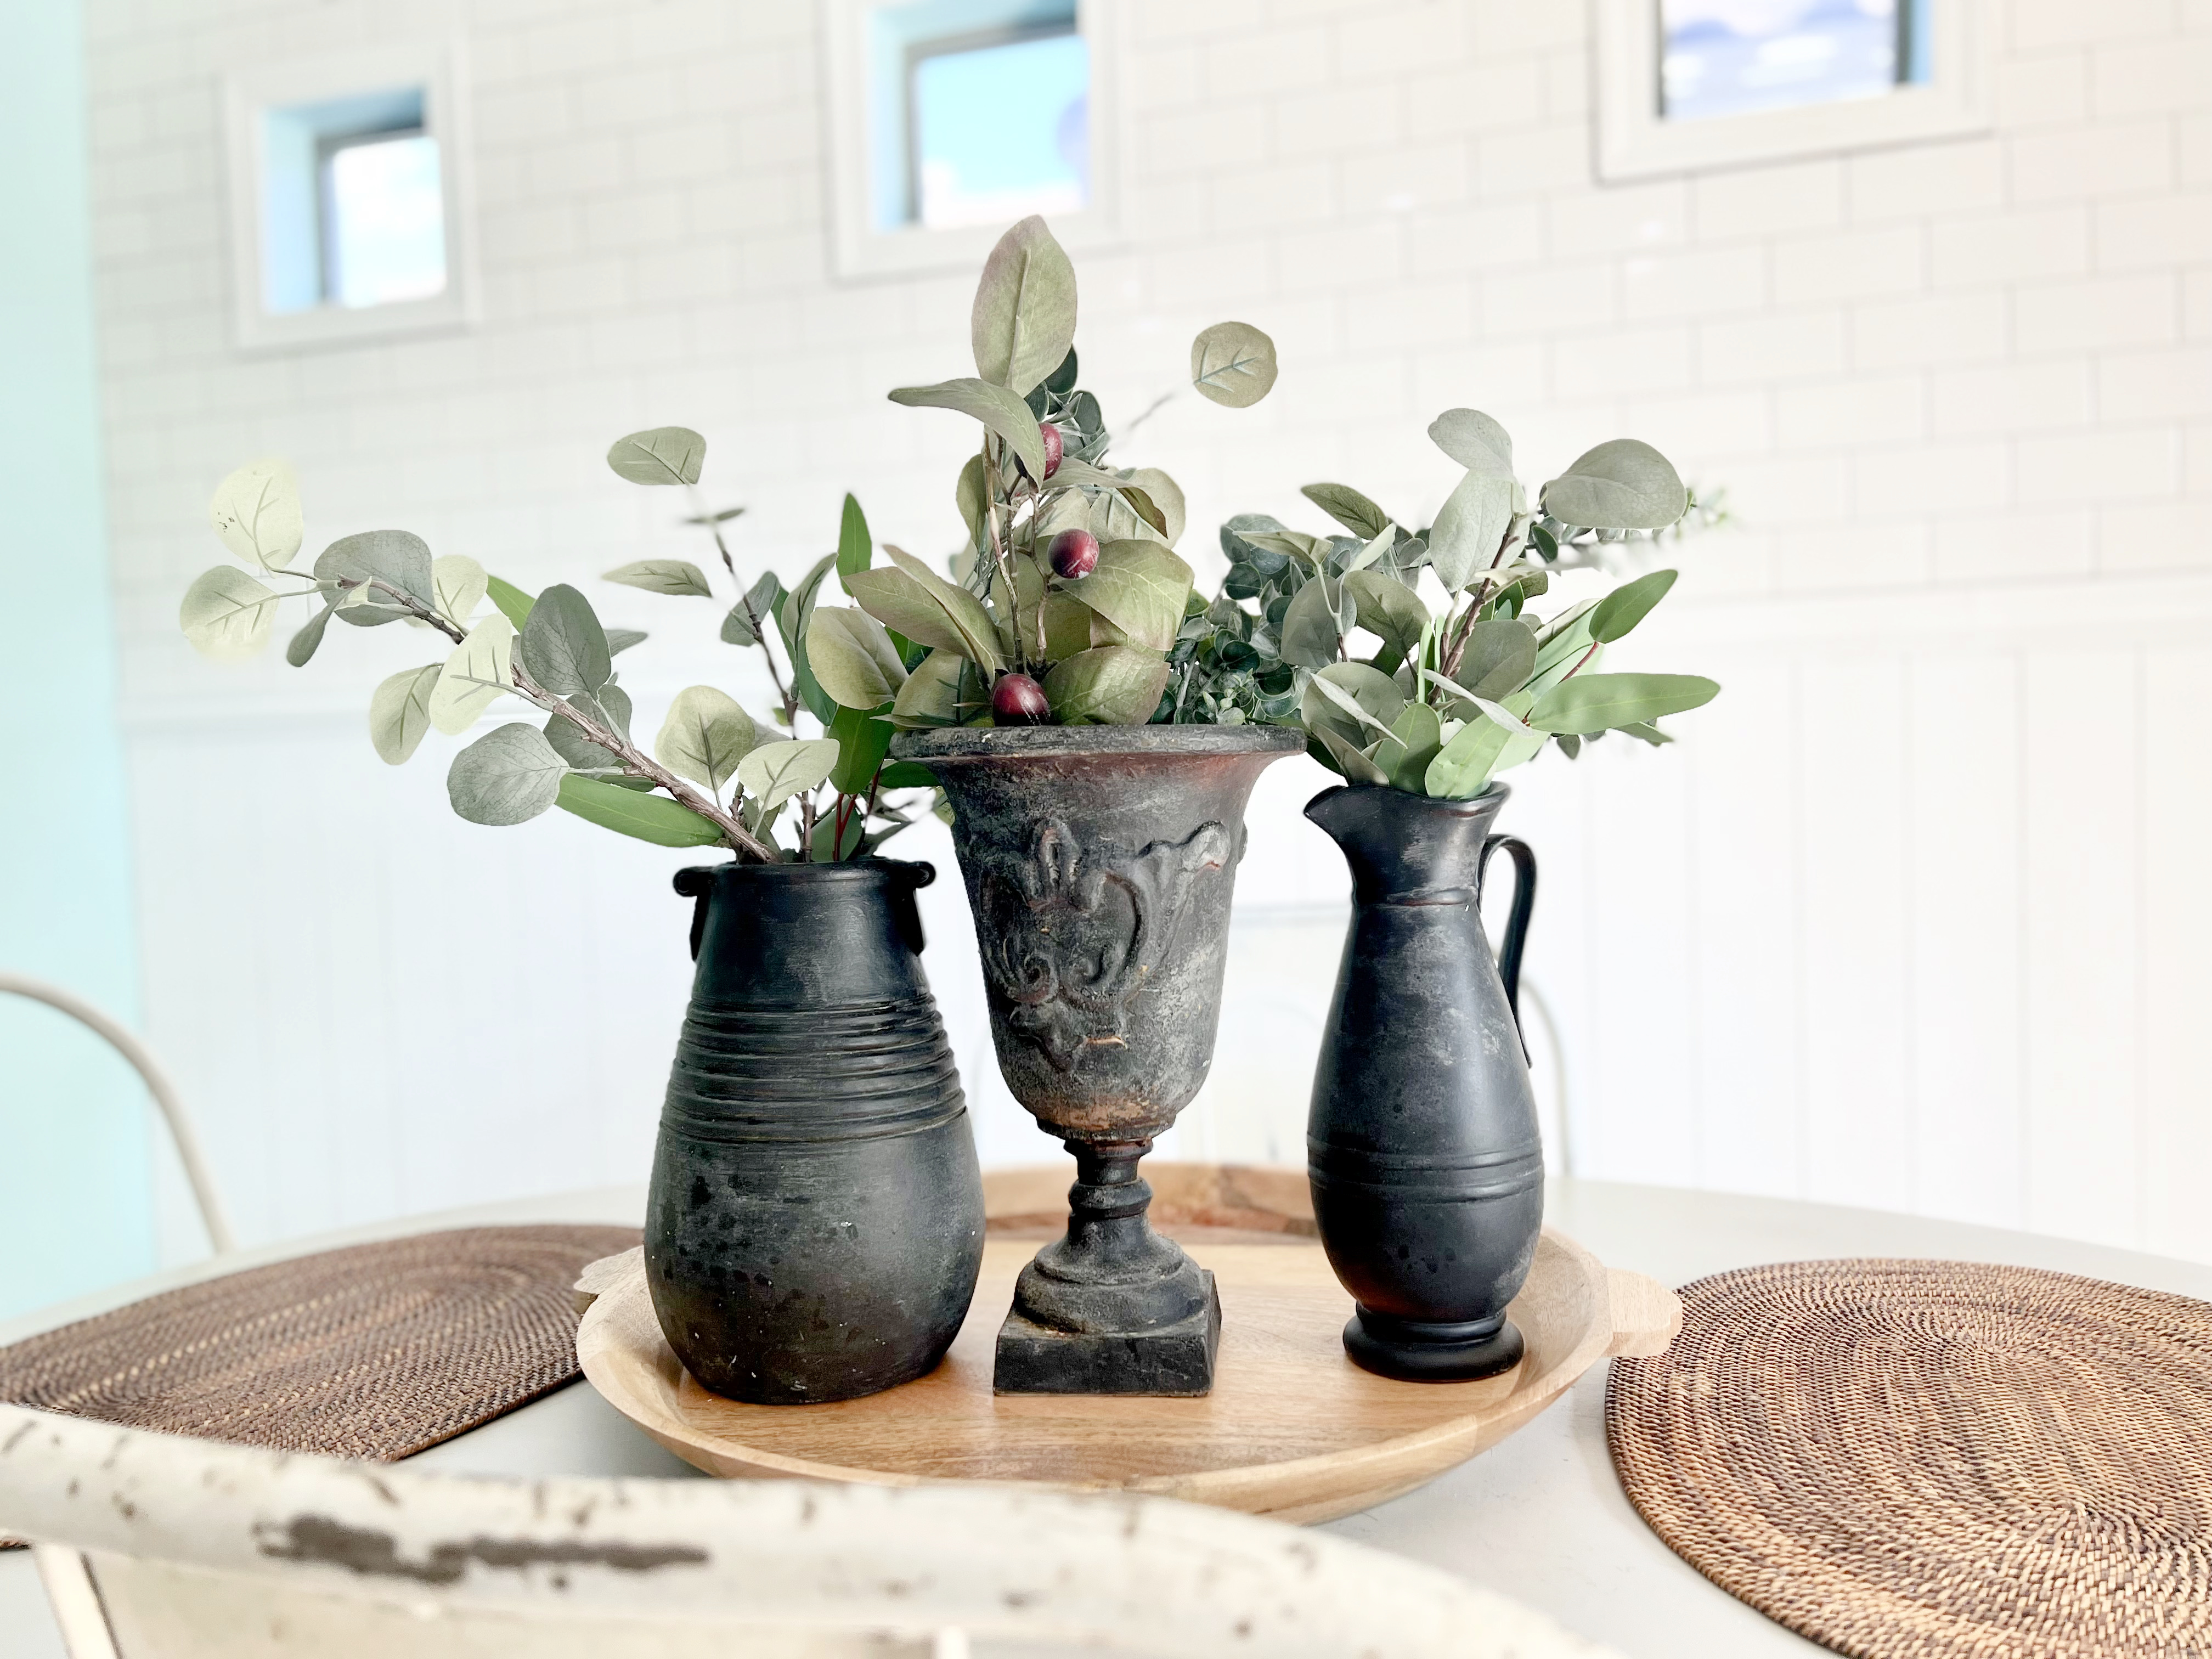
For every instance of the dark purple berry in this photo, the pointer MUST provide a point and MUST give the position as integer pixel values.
(1017, 700)
(1074, 554)
(1055, 448)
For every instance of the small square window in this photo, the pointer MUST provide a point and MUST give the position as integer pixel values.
(347, 209)
(949, 119)
(1686, 84)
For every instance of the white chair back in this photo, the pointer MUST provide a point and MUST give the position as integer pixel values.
(152, 1545)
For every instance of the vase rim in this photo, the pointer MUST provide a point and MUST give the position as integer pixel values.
(1494, 795)
(871, 868)
(991, 742)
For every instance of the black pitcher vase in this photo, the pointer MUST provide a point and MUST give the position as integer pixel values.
(1427, 1167)
(815, 1221)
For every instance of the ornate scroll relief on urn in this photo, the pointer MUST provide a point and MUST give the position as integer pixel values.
(1100, 861)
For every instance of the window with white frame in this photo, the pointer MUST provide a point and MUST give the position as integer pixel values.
(949, 119)
(1684, 84)
(347, 198)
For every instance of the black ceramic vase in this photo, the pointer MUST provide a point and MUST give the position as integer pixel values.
(1427, 1171)
(1100, 861)
(815, 1222)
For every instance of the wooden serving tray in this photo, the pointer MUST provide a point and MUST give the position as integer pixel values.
(1292, 1428)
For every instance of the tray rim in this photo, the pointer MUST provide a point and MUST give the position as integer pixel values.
(1624, 1313)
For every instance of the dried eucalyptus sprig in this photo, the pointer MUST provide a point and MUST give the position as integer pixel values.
(553, 653)
(1068, 593)
(1451, 697)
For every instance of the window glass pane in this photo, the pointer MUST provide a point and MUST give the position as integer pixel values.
(385, 234)
(1732, 56)
(1001, 130)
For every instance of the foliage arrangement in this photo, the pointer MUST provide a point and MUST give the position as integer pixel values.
(713, 776)
(1457, 695)
(1069, 595)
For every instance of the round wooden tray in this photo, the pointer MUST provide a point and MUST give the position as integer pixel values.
(1292, 1428)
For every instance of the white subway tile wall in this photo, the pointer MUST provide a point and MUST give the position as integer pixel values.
(1911, 916)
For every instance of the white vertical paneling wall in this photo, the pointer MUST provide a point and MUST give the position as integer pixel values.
(1911, 916)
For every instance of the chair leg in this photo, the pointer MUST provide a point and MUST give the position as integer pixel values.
(76, 1600)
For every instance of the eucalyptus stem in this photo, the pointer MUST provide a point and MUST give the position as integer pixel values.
(785, 698)
(634, 760)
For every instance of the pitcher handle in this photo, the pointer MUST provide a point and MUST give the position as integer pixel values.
(1516, 923)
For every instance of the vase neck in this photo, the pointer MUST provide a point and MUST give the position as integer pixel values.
(801, 936)
(1405, 848)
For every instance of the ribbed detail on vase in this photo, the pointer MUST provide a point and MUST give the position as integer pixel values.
(854, 1073)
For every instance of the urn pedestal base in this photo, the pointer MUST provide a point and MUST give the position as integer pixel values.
(1175, 1359)
(1111, 1307)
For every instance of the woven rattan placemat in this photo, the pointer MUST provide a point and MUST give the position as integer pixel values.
(1934, 1458)
(372, 1352)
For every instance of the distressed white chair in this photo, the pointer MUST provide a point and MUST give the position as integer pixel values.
(155, 1546)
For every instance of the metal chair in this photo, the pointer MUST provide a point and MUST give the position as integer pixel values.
(125, 1043)
(154, 1545)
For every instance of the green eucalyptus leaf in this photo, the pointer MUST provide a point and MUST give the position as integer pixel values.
(620, 640)
(397, 558)
(1499, 658)
(664, 455)
(1628, 605)
(655, 818)
(1624, 484)
(1354, 762)
(1477, 752)
(399, 712)
(479, 670)
(1470, 528)
(1001, 411)
(1416, 736)
(1107, 685)
(1024, 320)
(792, 616)
(1139, 586)
(1333, 695)
(513, 604)
(946, 689)
(863, 739)
(856, 550)
(509, 775)
(310, 636)
(1599, 702)
(972, 496)
(563, 646)
(722, 517)
(926, 608)
(772, 773)
(706, 737)
(1475, 440)
(1234, 545)
(853, 658)
(678, 577)
(1149, 486)
(1349, 508)
(458, 585)
(1309, 636)
(1389, 609)
(569, 743)
(830, 846)
(1232, 364)
(256, 512)
(906, 775)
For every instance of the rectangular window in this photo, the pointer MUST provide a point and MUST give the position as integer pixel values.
(349, 220)
(1733, 57)
(1687, 84)
(951, 120)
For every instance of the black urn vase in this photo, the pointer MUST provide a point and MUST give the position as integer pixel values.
(1427, 1167)
(816, 1220)
(1100, 860)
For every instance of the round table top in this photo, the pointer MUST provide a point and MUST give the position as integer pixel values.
(1540, 1518)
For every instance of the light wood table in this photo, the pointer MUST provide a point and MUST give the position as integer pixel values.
(1540, 1517)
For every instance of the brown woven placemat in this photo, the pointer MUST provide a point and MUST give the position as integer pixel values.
(1934, 1458)
(374, 1352)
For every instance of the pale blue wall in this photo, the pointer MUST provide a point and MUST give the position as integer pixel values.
(75, 1182)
